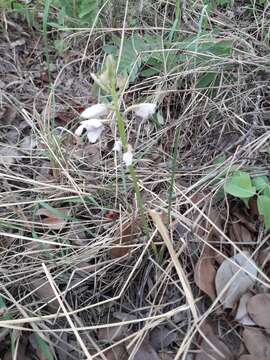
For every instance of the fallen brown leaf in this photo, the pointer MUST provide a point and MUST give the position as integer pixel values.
(161, 337)
(205, 272)
(118, 352)
(245, 220)
(259, 310)
(257, 343)
(145, 352)
(125, 236)
(124, 316)
(239, 233)
(235, 279)
(111, 334)
(242, 315)
(198, 198)
(214, 216)
(8, 115)
(45, 292)
(214, 349)
(263, 257)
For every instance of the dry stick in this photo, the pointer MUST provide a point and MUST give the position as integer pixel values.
(9, 323)
(76, 333)
(16, 236)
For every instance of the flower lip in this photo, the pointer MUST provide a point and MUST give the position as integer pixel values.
(93, 127)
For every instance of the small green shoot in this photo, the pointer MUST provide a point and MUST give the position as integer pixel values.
(243, 187)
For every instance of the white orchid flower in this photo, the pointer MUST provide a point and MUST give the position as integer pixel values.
(117, 146)
(95, 111)
(93, 127)
(128, 156)
(143, 110)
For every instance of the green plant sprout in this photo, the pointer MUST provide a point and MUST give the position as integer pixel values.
(242, 186)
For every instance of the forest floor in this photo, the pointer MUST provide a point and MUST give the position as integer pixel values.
(166, 258)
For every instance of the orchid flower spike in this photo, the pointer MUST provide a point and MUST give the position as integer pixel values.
(143, 110)
(93, 127)
(95, 112)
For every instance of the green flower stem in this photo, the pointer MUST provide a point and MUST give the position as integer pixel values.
(121, 128)
(119, 118)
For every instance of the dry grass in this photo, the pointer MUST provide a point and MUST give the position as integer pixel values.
(86, 288)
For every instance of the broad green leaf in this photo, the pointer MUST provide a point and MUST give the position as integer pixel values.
(239, 185)
(263, 203)
(260, 182)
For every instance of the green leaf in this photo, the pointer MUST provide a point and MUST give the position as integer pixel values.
(266, 191)
(149, 72)
(263, 203)
(239, 185)
(136, 51)
(44, 348)
(260, 182)
(87, 7)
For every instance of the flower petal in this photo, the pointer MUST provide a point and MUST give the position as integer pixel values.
(128, 157)
(95, 111)
(94, 133)
(92, 123)
(143, 110)
(79, 130)
(117, 146)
